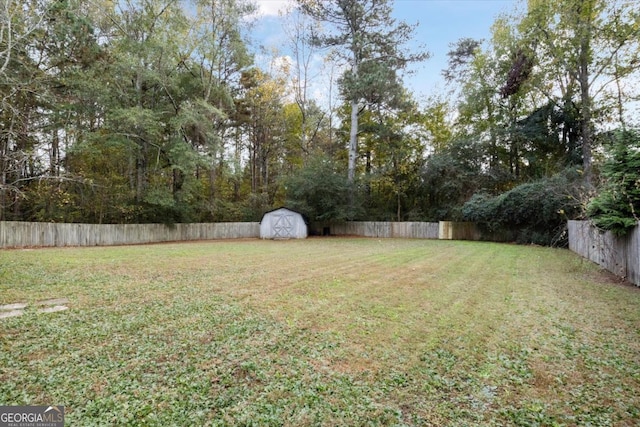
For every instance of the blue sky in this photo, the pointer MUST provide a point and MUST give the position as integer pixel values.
(440, 22)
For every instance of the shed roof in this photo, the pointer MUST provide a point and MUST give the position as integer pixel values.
(285, 208)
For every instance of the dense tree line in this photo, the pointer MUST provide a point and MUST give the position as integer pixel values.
(155, 111)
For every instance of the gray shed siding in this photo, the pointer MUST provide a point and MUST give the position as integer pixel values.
(283, 224)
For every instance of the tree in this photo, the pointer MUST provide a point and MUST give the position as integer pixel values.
(144, 73)
(216, 52)
(535, 94)
(393, 141)
(19, 20)
(299, 29)
(264, 123)
(540, 135)
(165, 92)
(617, 207)
(582, 48)
(370, 41)
(44, 47)
(460, 56)
(20, 78)
(450, 177)
(479, 112)
(321, 192)
(436, 120)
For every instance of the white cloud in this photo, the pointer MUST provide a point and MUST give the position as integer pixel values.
(282, 63)
(272, 7)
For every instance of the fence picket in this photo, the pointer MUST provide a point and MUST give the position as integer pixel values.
(16, 234)
(619, 255)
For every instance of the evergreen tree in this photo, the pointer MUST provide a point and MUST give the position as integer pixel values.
(370, 40)
(617, 207)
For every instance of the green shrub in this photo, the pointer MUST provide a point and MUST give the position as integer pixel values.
(321, 192)
(534, 212)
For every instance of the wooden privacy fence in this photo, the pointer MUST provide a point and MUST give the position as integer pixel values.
(417, 230)
(619, 255)
(443, 230)
(449, 230)
(15, 234)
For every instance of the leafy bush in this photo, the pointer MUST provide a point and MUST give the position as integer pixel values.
(534, 212)
(617, 207)
(449, 178)
(321, 192)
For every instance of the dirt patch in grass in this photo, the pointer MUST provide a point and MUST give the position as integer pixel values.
(608, 278)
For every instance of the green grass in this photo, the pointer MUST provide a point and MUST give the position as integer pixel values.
(321, 332)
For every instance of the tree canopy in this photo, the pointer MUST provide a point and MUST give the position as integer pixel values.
(158, 111)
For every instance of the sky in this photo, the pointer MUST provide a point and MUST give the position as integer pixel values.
(440, 23)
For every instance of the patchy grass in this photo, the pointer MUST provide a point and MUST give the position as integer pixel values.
(321, 332)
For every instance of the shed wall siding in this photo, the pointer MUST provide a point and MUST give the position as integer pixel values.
(283, 224)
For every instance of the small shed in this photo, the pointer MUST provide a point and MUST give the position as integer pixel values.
(283, 223)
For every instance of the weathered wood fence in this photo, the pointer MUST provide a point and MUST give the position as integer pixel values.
(15, 234)
(417, 230)
(619, 255)
(443, 230)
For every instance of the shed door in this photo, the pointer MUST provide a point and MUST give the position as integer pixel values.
(282, 225)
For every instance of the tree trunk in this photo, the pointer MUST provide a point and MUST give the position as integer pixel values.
(493, 137)
(620, 105)
(140, 178)
(585, 125)
(54, 155)
(212, 184)
(3, 175)
(353, 141)
(585, 98)
(178, 181)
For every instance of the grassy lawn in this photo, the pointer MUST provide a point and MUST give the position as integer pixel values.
(321, 332)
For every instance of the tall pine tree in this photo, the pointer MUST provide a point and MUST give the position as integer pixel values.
(371, 41)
